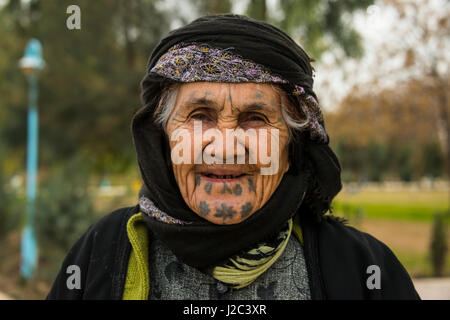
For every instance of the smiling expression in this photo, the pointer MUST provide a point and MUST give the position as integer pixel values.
(229, 193)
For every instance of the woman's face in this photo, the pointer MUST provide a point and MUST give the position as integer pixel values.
(229, 147)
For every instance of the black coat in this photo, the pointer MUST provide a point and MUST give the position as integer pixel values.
(337, 257)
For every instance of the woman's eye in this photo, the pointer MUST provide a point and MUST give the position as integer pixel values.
(202, 116)
(199, 116)
(254, 118)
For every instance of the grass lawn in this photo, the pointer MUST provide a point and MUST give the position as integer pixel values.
(414, 205)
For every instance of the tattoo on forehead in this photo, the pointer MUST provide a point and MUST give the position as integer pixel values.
(204, 208)
(226, 189)
(225, 212)
(273, 103)
(258, 95)
(208, 187)
(192, 95)
(246, 209)
(251, 186)
(237, 190)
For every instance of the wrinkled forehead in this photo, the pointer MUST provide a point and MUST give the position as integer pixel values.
(216, 94)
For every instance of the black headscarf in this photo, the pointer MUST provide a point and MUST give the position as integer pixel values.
(314, 171)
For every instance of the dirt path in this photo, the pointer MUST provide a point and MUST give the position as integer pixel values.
(4, 297)
(428, 289)
(433, 288)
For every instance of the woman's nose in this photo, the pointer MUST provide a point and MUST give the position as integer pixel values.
(227, 144)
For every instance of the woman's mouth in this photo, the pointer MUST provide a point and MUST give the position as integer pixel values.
(220, 175)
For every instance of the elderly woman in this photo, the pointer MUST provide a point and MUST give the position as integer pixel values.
(237, 180)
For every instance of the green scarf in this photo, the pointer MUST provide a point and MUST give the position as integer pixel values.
(241, 270)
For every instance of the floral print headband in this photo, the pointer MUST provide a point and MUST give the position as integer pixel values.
(200, 62)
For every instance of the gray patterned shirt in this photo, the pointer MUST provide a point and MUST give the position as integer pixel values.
(286, 279)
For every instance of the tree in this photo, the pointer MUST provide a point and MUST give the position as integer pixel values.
(257, 9)
(322, 25)
(438, 244)
(424, 46)
(64, 207)
(391, 133)
(90, 87)
(376, 161)
(397, 93)
(210, 7)
(433, 160)
(316, 25)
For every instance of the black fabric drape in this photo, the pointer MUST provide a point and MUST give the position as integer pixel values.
(337, 257)
(203, 243)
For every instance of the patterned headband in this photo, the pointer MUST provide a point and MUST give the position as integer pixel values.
(200, 62)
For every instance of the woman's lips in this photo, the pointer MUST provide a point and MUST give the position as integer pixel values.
(222, 175)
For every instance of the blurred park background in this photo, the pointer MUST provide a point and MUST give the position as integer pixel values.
(382, 76)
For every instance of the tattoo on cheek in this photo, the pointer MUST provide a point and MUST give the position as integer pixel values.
(208, 187)
(237, 190)
(197, 180)
(225, 212)
(204, 208)
(246, 209)
(251, 186)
